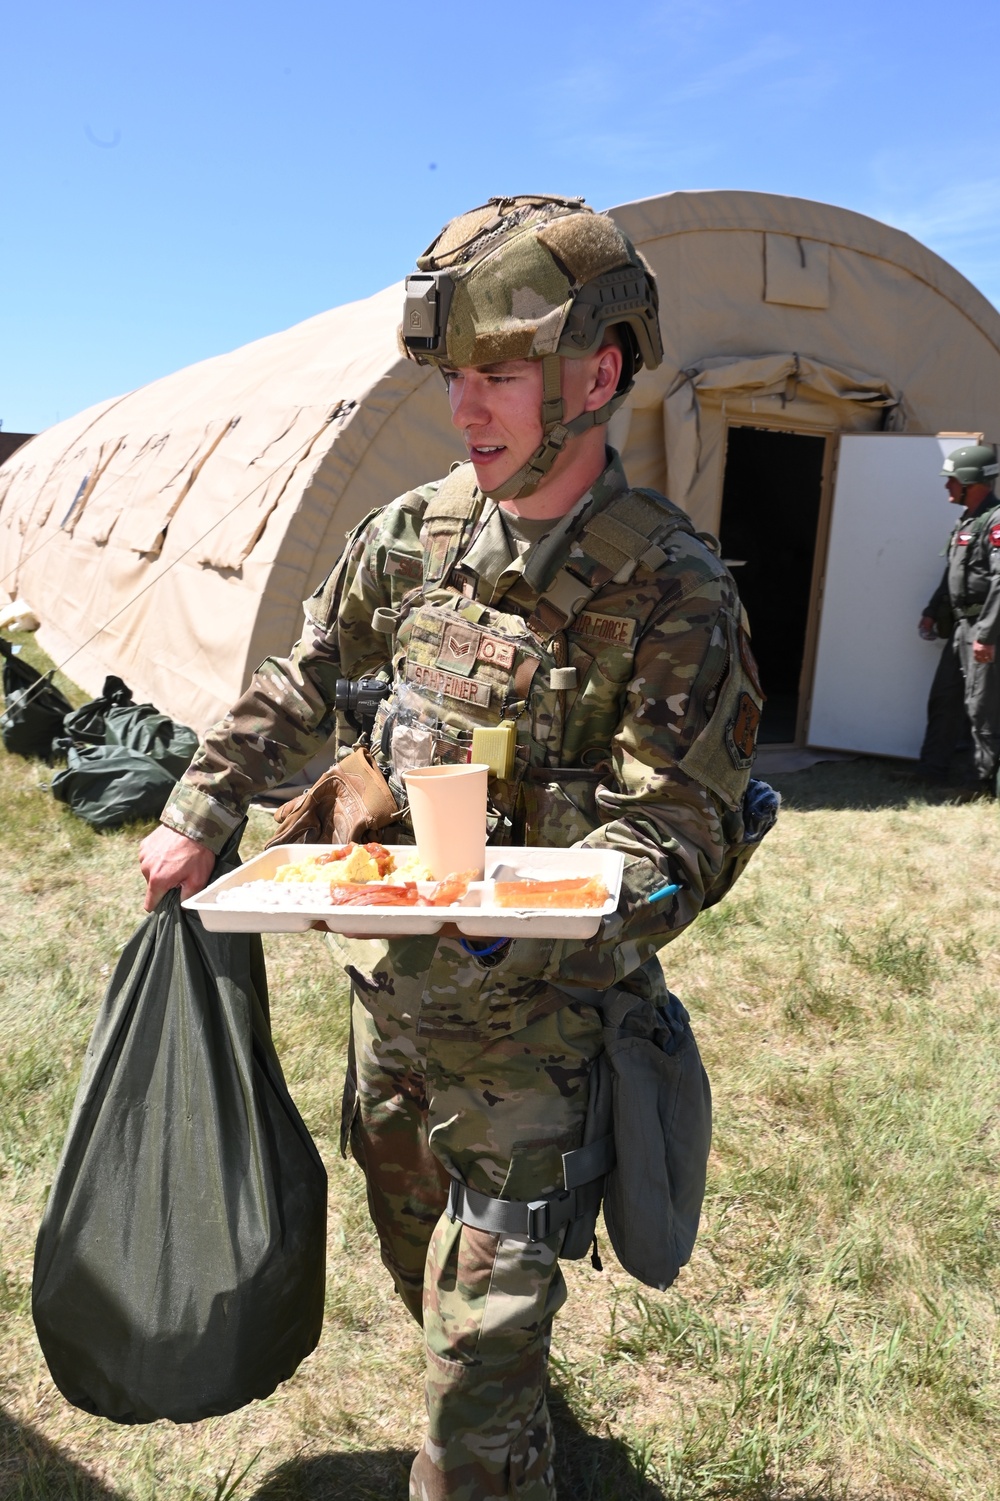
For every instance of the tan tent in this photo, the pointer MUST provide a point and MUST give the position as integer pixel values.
(813, 358)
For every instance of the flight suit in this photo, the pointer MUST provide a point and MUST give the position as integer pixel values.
(970, 591)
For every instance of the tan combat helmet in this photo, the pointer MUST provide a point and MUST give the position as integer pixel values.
(533, 278)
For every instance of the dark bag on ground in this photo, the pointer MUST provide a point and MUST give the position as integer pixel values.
(180, 1264)
(108, 785)
(34, 709)
(114, 719)
(85, 726)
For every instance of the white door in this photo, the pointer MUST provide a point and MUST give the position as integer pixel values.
(889, 525)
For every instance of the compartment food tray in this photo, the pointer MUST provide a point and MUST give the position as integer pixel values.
(476, 916)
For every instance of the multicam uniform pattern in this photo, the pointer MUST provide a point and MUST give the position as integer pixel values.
(480, 1070)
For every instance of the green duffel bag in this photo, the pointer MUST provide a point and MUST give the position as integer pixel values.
(86, 725)
(141, 727)
(108, 785)
(34, 709)
(180, 1264)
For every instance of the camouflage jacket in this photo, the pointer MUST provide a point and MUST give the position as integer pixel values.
(648, 753)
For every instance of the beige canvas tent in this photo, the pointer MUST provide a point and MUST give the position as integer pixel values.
(813, 359)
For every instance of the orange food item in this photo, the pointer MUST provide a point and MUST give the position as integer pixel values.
(382, 858)
(570, 891)
(337, 854)
(375, 894)
(451, 889)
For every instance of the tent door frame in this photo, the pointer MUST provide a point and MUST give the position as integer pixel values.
(831, 449)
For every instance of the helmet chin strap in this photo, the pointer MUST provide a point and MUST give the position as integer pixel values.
(555, 432)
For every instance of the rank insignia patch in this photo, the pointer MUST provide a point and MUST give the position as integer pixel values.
(459, 646)
(741, 732)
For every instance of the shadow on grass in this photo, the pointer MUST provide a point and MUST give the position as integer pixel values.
(32, 1469)
(863, 784)
(588, 1468)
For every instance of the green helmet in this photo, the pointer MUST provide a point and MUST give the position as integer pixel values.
(533, 278)
(976, 464)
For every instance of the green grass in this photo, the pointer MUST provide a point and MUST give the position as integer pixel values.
(835, 1336)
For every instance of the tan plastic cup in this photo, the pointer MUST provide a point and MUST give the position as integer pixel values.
(448, 809)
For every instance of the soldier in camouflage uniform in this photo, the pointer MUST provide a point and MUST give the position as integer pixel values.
(966, 684)
(532, 587)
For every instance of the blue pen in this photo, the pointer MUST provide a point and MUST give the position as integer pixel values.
(656, 896)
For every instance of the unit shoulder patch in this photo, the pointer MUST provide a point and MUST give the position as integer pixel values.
(741, 732)
(995, 534)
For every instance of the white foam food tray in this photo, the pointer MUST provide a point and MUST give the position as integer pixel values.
(476, 916)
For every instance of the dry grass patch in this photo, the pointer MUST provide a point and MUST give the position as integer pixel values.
(835, 1335)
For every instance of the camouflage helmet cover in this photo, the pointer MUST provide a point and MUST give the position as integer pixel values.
(526, 277)
(533, 277)
(975, 464)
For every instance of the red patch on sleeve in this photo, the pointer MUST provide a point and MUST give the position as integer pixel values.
(995, 534)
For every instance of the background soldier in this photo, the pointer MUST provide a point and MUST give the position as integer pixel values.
(531, 589)
(965, 609)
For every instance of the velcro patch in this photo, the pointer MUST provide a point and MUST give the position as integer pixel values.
(466, 690)
(616, 628)
(500, 653)
(403, 565)
(750, 662)
(995, 534)
(459, 646)
(742, 731)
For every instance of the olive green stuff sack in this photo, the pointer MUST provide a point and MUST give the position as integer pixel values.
(108, 785)
(179, 1268)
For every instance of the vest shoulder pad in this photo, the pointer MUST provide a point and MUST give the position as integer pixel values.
(457, 497)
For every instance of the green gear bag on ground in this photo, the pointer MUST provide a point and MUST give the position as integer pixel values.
(179, 1268)
(34, 708)
(108, 785)
(141, 727)
(113, 718)
(86, 725)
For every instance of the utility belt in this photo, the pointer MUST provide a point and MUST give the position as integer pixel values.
(584, 1172)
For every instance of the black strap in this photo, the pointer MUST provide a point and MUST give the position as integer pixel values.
(583, 1171)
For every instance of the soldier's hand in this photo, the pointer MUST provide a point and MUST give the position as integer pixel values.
(982, 653)
(168, 859)
(927, 628)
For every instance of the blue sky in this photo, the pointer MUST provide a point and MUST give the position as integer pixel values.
(179, 179)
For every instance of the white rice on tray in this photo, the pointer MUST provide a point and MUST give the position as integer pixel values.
(276, 896)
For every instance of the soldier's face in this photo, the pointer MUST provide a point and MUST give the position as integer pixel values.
(956, 491)
(498, 411)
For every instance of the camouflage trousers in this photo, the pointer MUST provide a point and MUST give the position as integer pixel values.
(497, 1116)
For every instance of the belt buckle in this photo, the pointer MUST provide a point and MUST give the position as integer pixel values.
(538, 1219)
